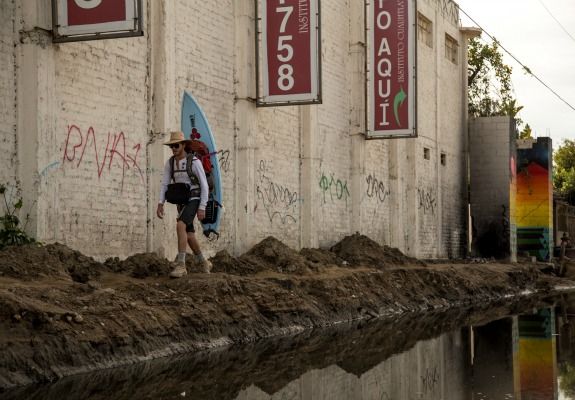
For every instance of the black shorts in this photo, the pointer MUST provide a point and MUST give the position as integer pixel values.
(187, 213)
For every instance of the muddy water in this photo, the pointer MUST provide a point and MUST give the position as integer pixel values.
(524, 350)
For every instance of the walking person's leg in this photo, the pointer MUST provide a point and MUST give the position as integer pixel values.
(195, 246)
(180, 269)
(188, 215)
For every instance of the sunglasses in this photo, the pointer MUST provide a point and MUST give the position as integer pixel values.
(174, 146)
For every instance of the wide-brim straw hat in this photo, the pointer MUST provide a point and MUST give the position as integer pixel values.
(176, 137)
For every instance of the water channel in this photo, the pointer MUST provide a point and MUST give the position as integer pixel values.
(524, 350)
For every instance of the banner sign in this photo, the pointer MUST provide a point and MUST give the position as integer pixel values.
(391, 67)
(76, 20)
(288, 52)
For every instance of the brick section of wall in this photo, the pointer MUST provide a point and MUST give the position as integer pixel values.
(490, 157)
(205, 68)
(376, 192)
(277, 179)
(102, 132)
(334, 127)
(7, 93)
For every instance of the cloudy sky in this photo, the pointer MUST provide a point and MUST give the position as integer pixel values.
(544, 41)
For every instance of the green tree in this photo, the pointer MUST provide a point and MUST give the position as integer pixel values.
(526, 133)
(564, 170)
(489, 81)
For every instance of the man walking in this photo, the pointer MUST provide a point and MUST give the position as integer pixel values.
(193, 189)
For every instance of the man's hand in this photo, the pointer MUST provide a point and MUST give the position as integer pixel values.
(160, 211)
(201, 214)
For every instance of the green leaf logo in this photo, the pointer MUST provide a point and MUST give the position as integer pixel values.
(397, 102)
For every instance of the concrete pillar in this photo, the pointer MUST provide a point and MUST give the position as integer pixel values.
(309, 131)
(468, 33)
(356, 68)
(162, 97)
(410, 206)
(35, 124)
(439, 55)
(396, 227)
(245, 124)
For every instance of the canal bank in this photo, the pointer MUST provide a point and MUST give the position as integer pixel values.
(62, 313)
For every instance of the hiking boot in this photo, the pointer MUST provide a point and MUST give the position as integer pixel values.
(206, 266)
(179, 271)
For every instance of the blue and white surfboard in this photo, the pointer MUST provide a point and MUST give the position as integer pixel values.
(194, 117)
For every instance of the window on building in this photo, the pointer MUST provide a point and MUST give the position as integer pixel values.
(451, 49)
(424, 30)
(426, 153)
(443, 159)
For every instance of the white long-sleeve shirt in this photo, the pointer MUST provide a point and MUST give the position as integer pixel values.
(181, 176)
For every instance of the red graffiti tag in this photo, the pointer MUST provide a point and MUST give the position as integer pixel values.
(77, 142)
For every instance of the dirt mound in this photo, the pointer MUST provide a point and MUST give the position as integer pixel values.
(360, 250)
(142, 265)
(272, 255)
(226, 263)
(321, 256)
(33, 261)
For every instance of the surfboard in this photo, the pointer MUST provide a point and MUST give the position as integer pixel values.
(194, 118)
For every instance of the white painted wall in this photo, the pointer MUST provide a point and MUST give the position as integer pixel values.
(86, 121)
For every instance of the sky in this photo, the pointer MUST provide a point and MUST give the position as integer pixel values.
(545, 46)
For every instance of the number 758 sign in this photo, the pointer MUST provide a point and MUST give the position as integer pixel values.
(288, 52)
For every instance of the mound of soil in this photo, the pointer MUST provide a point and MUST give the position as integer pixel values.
(84, 315)
(33, 261)
(272, 255)
(228, 264)
(359, 250)
(321, 257)
(142, 265)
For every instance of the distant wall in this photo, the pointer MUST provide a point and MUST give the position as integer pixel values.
(564, 221)
(534, 198)
(491, 150)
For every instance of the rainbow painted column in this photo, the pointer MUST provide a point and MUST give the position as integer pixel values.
(534, 198)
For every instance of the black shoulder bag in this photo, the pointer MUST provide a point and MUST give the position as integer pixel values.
(177, 192)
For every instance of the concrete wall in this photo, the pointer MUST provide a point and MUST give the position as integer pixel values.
(563, 222)
(491, 151)
(84, 122)
(7, 93)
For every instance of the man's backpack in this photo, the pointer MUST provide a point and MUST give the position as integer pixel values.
(195, 180)
(200, 150)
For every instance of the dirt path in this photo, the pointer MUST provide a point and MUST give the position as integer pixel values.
(62, 313)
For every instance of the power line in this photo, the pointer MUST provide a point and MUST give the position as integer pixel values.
(556, 20)
(525, 68)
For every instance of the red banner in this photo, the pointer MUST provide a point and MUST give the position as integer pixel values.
(96, 19)
(82, 12)
(391, 87)
(290, 48)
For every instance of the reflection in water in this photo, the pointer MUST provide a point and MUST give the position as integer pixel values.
(463, 354)
(432, 369)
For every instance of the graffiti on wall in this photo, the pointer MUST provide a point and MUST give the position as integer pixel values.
(533, 198)
(333, 187)
(117, 153)
(277, 200)
(376, 189)
(224, 160)
(430, 379)
(427, 201)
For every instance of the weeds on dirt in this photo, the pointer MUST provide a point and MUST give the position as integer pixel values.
(11, 231)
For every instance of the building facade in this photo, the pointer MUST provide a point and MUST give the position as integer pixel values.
(82, 126)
